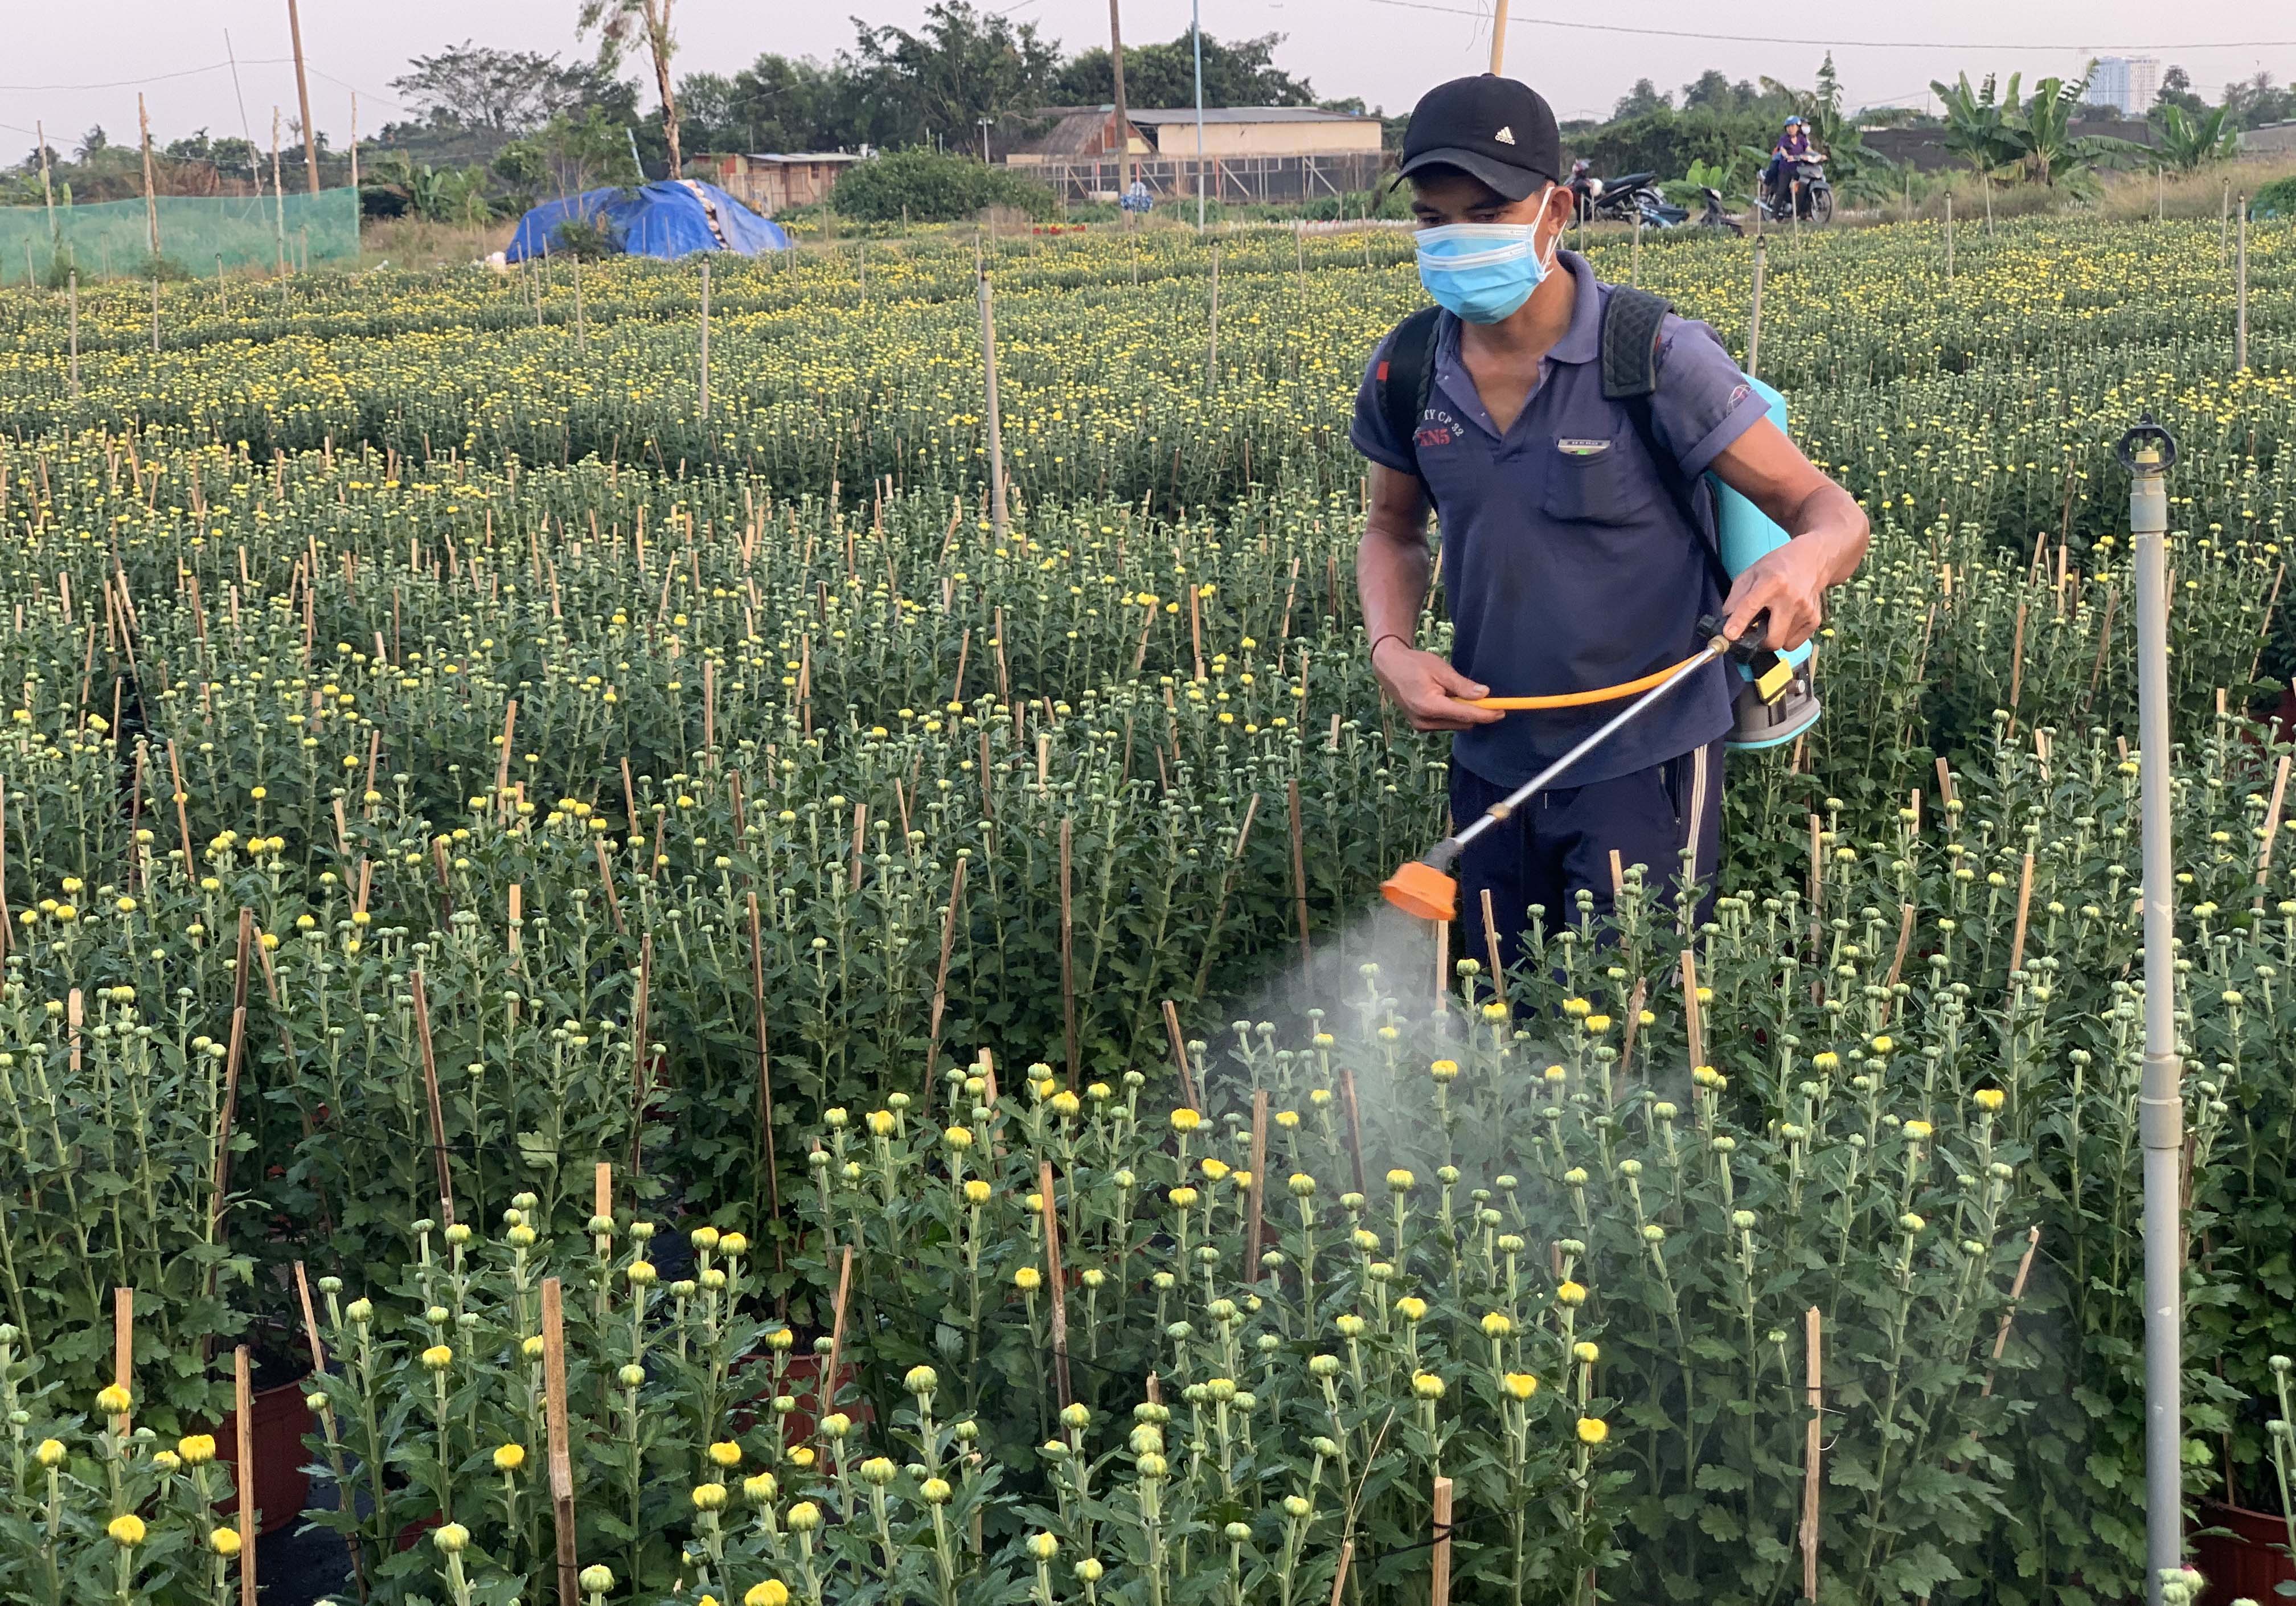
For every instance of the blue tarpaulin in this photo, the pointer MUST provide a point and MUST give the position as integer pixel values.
(670, 218)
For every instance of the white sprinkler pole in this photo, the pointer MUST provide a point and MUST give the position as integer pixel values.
(2147, 451)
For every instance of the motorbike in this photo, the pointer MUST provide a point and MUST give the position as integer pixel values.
(1717, 215)
(1807, 194)
(1617, 199)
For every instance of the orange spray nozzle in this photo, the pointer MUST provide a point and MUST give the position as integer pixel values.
(1419, 888)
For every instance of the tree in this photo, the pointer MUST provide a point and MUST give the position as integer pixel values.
(91, 143)
(1976, 126)
(2257, 101)
(576, 151)
(926, 186)
(2185, 142)
(938, 82)
(615, 21)
(2176, 90)
(1640, 101)
(1237, 72)
(469, 86)
(2043, 135)
(1712, 89)
(775, 104)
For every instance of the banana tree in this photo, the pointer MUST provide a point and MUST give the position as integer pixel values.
(1978, 127)
(2043, 132)
(2183, 141)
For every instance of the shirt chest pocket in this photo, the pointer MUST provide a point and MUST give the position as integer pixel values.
(1593, 481)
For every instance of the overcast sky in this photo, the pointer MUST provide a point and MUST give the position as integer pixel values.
(70, 63)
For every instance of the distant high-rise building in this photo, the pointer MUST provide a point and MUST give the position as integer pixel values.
(2127, 82)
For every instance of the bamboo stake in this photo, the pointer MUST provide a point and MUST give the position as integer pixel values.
(1355, 1123)
(222, 1174)
(705, 337)
(326, 1411)
(1060, 1305)
(1812, 1449)
(1491, 949)
(827, 1395)
(2271, 828)
(243, 1415)
(1898, 960)
(430, 1092)
(502, 766)
(940, 982)
(1348, 1547)
(1256, 1194)
(765, 1069)
(123, 1354)
(1180, 1056)
(151, 198)
(2239, 292)
(993, 423)
(2024, 908)
(1299, 870)
(1439, 1594)
(1068, 958)
(606, 879)
(1754, 318)
(640, 1089)
(1693, 1019)
(2009, 1315)
(562, 1462)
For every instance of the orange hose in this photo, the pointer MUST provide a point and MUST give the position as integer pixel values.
(1579, 699)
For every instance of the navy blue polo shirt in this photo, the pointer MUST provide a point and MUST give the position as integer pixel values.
(1567, 563)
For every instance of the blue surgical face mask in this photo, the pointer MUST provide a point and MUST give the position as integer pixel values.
(1482, 270)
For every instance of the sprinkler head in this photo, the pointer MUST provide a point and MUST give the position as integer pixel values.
(1422, 889)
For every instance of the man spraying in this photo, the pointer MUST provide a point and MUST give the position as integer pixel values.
(1578, 550)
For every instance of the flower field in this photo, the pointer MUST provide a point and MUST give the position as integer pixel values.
(681, 940)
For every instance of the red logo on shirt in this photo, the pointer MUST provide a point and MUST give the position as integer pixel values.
(1436, 428)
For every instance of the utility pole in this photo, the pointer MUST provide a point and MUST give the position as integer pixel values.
(278, 198)
(984, 140)
(1196, 31)
(354, 142)
(303, 97)
(1123, 122)
(151, 198)
(1498, 38)
(48, 186)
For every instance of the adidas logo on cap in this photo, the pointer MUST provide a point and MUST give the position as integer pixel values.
(1506, 136)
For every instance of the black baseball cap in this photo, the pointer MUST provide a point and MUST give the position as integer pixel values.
(1492, 128)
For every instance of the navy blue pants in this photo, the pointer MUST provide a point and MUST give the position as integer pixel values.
(1562, 839)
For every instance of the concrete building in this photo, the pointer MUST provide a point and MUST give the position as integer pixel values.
(775, 181)
(2127, 82)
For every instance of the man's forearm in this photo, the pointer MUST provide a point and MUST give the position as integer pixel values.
(1392, 578)
(1835, 527)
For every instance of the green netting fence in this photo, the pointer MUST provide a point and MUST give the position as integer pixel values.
(112, 237)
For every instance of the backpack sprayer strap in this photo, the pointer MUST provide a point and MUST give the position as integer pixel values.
(1632, 321)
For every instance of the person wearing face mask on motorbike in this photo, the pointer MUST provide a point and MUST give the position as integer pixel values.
(1793, 146)
(1578, 546)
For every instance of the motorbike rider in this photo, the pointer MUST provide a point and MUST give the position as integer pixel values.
(1793, 146)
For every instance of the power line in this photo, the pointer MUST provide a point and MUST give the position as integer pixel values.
(1813, 40)
(185, 72)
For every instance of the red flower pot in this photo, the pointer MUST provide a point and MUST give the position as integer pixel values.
(281, 1487)
(2250, 1559)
